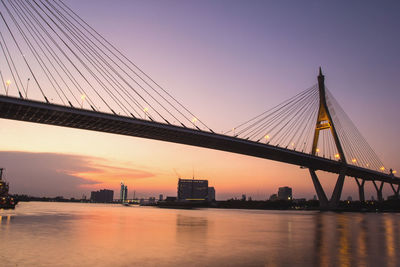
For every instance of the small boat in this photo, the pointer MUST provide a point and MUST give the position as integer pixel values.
(6, 201)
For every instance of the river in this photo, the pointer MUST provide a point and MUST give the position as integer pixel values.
(83, 234)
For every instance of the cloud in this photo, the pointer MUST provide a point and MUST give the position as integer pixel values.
(54, 174)
(103, 172)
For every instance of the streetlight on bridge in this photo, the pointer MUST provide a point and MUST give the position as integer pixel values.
(145, 110)
(8, 82)
(83, 97)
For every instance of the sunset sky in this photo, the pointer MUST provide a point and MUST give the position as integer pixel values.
(227, 61)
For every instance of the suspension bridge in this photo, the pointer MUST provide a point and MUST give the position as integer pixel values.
(56, 69)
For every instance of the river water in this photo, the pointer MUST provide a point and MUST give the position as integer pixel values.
(77, 234)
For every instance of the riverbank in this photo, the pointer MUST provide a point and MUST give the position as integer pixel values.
(392, 205)
(345, 206)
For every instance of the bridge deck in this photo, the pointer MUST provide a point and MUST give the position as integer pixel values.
(39, 112)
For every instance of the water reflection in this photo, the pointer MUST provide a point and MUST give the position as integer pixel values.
(362, 241)
(390, 244)
(5, 219)
(344, 246)
(104, 235)
(192, 228)
(321, 246)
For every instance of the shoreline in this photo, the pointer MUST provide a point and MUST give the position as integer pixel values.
(387, 206)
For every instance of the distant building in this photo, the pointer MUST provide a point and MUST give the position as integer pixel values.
(123, 193)
(191, 189)
(152, 200)
(393, 197)
(273, 197)
(285, 193)
(211, 194)
(161, 197)
(244, 197)
(349, 198)
(102, 196)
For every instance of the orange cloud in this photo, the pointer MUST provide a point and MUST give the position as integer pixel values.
(107, 174)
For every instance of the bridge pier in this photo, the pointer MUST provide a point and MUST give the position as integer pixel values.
(396, 191)
(324, 203)
(379, 191)
(337, 192)
(323, 200)
(360, 189)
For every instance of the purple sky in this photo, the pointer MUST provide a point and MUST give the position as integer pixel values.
(231, 60)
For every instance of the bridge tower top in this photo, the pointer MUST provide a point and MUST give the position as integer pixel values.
(324, 120)
(321, 85)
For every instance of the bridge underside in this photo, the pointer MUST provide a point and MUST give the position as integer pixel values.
(38, 112)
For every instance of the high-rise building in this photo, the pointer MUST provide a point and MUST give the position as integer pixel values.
(102, 196)
(161, 197)
(123, 193)
(191, 189)
(285, 193)
(211, 194)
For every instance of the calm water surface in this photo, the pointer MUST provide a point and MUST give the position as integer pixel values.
(75, 234)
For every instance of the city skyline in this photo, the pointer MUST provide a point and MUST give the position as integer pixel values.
(243, 71)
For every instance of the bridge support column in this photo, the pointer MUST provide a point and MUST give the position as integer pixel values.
(361, 189)
(324, 203)
(323, 200)
(337, 192)
(379, 191)
(396, 192)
